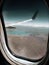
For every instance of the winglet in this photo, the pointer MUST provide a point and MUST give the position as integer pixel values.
(35, 15)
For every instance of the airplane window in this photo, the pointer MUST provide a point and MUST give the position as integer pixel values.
(27, 26)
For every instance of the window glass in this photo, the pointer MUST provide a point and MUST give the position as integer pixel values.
(27, 27)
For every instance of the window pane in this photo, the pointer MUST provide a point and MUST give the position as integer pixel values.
(27, 27)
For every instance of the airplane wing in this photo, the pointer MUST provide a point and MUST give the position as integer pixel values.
(25, 23)
(19, 23)
(15, 24)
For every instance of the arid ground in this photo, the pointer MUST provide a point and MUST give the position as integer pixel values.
(33, 47)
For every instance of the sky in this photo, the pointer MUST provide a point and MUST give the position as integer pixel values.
(21, 10)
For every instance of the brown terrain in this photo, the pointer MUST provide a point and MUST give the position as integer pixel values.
(33, 47)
